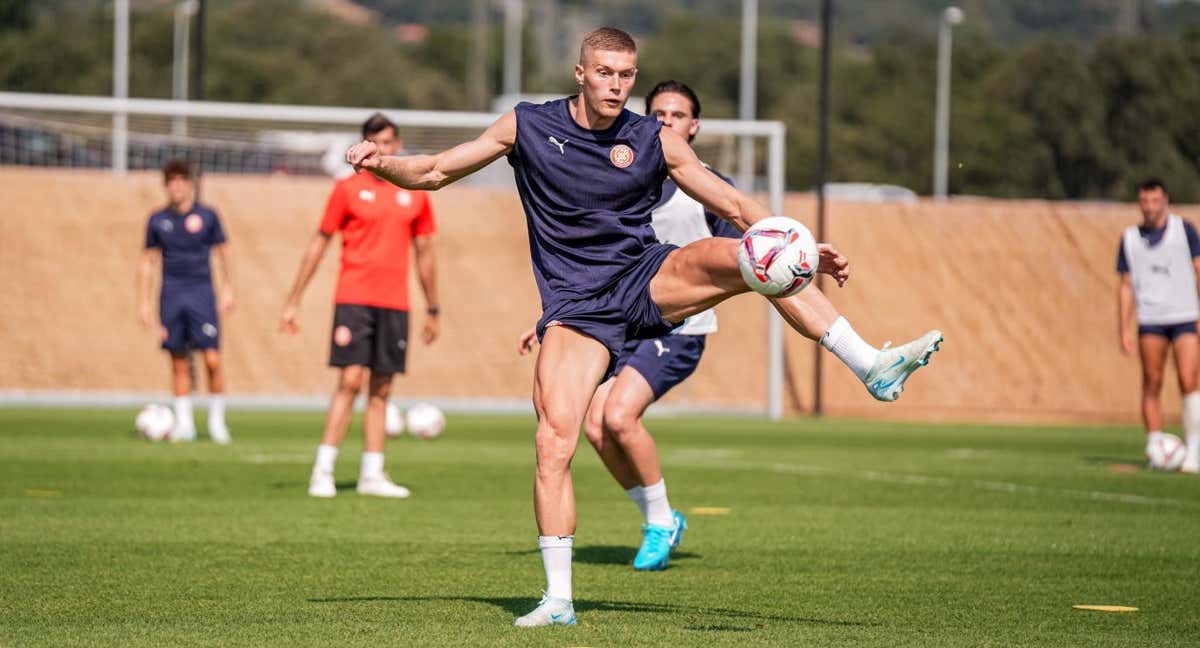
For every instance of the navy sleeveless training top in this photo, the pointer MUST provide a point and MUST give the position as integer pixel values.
(587, 196)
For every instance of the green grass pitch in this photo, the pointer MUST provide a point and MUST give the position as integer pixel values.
(838, 534)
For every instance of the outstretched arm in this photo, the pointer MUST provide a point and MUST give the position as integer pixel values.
(431, 172)
(728, 202)
(697, 181)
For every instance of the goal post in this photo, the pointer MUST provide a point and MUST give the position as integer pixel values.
(100, 126)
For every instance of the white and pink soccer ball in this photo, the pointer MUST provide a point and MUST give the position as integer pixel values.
(425, 421)
(1166, 452)
(154, 422)
(778, 257)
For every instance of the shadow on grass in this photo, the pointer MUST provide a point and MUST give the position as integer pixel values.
(517, 606)
(606, 554)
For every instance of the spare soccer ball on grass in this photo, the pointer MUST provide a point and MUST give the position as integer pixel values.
(393, 421)
(1166, 452)
(425, 421)
(154, 422)
(778, 256)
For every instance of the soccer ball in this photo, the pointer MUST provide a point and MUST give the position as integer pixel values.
(1166, 452)
(393, 422)
(425, 421)
(154, 422)
(778, 257)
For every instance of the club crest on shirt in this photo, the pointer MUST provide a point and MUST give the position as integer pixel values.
(366, 195)
(193, 223)
(621, 156)
(403, 198)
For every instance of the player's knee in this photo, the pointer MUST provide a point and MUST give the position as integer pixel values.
(620, 421)
(350, 381)
(1152, 383)
(593, 429)
(212, 360)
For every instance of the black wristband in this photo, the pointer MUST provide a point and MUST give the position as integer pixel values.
(432, 310)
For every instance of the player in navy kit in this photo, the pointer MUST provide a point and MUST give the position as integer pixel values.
(589, 173)
(648, 368)
(184, 234)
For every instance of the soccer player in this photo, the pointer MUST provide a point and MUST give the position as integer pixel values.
(184, 234)
(588, 173)
(379, 222)
(1158, 261)
(647, 369)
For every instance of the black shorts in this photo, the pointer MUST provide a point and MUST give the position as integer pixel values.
(369, 336)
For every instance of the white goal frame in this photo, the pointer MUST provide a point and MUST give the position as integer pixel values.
(774, 132)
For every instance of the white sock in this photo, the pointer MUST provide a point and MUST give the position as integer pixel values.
(843, 342)
(1191, 426)
(638, 495)
(1151, 438)
(556, 559)
(372, 464)
(183, 412)
(216, 409)
(326, 458)
(658, 509)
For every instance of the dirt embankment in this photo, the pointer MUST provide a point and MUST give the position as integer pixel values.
(1024, 291)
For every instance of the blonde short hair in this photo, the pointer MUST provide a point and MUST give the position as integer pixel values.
(608, 39)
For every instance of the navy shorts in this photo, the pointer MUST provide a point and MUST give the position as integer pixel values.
(370, 336)
(190, 316)
(624, 312)
(1169, 331)
(663, 361)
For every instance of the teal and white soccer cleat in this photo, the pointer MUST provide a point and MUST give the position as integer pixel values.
(894, 365)
(550, 611)
(657, 543)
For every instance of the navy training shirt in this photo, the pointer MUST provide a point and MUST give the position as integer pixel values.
(185, 241)
(587, 196)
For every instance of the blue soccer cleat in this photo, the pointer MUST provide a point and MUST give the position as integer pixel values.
(657, 542)
(886, 379)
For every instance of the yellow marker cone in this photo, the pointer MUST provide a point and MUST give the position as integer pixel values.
(1105, 608)
(710, 510)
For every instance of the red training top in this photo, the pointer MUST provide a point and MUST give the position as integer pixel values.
(378, 221)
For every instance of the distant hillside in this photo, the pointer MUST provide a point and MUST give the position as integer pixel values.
(864, 21)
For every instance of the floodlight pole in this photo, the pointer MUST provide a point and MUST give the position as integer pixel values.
(822, 167)
(201, 51)
(179, 68)
(746, 107)
(514, 16)
(941, 147)
(120, 120)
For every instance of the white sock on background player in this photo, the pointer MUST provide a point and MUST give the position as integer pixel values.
(326, 458)
(185, 426)
(372, 465)
(217, 430)
(1191, 430)
(1151, 438)
(658, 509)
(556, 559)
(843, 342)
